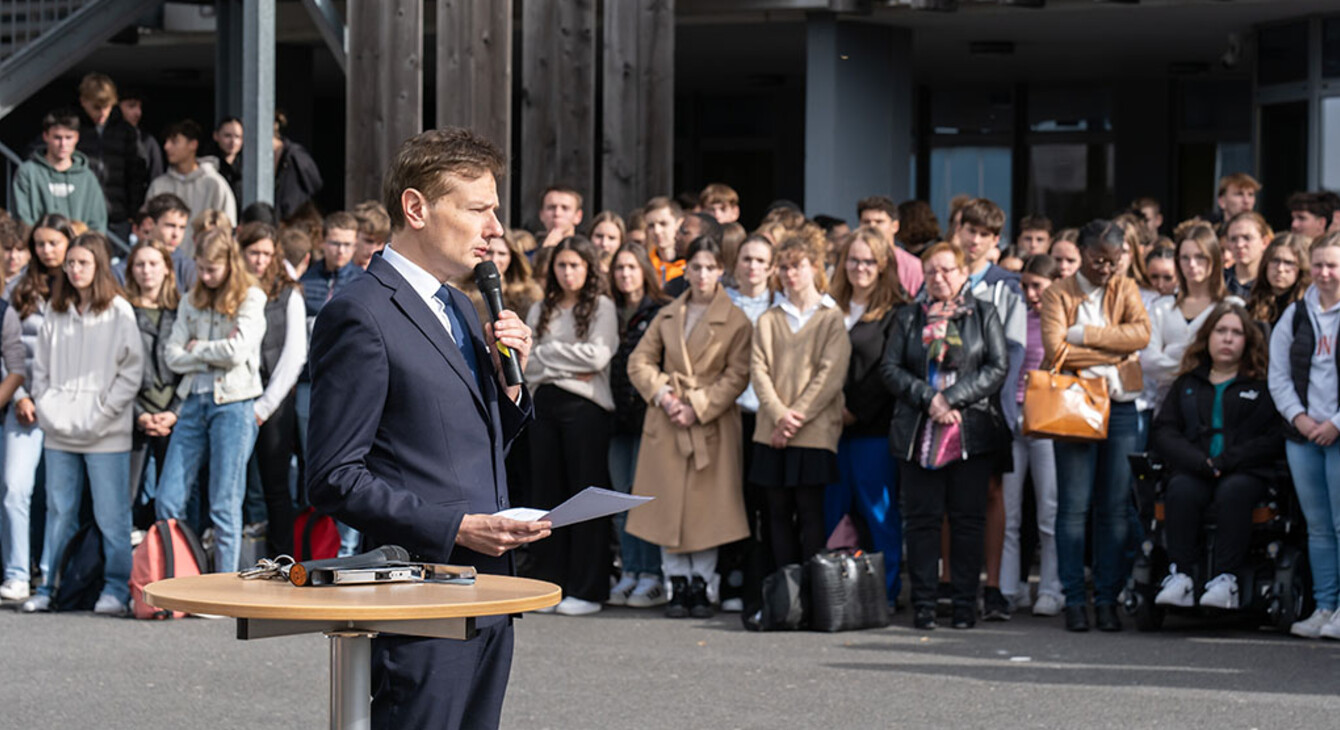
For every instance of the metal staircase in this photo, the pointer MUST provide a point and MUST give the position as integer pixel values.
(41, 39)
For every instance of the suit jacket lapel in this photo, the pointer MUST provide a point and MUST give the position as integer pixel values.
(417, 311)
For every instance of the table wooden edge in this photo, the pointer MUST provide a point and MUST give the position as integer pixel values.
(541, 595)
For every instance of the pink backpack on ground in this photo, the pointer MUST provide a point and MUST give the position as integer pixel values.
(170, 549)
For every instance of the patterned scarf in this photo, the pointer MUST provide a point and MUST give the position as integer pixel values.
(942, 444)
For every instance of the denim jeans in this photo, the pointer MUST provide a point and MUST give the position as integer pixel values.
(1316, 479)
(1096, 475)
(22, 454)
(108, 476)
(225, 435)
(1036, 457)
(868, 486)
(635, 554)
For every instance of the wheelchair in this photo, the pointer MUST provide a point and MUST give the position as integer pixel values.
(1274, 582)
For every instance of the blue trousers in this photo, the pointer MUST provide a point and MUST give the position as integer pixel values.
(1096, 475)
(868, 486)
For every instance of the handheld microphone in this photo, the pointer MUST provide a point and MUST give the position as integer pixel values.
(490, 287)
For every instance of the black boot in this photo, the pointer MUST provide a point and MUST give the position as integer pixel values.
(699, 606)
(678, 607)
(1105, 616)
(1076, 618)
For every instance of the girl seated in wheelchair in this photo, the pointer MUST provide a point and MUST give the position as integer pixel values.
(1220, 437)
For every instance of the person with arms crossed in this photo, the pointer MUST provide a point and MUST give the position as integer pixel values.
(410, 420)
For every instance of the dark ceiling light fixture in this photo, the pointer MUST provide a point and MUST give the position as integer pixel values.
(991, 48)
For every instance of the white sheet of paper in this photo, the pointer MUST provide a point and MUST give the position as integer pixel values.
(587, 504)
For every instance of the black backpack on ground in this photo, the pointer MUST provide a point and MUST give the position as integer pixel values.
(78, 579)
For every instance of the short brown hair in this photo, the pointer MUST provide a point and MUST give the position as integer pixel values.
(208, 220)
(877, 202)
(716, 193)
(339, 220)
(295, 243)
(565, 189)
(662, 201)
(936, 249)
(983, 213)
(427, 162)
(98, 88)
(1238, 180)
(1036, 223)
(798, 247)
(373, 219)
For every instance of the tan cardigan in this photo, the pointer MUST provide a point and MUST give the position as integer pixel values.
(802, 371)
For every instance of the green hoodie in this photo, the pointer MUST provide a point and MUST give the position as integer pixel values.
(75, 193)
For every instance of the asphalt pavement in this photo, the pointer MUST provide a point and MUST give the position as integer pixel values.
(628, 668)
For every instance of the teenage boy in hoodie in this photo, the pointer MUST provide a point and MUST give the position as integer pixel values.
(59, 180)
(196, 180)
(978, 235)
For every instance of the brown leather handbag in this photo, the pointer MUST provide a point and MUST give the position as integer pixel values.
(1065, 407)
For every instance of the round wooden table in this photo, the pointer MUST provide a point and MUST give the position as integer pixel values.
(350, 616)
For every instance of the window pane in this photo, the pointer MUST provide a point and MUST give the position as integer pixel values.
(1330, 143)
(1330, 48)
(1071, 183)
(982, 172)
(1283, 138)
(1282, 54)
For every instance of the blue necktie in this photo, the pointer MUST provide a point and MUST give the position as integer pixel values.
(459, 332)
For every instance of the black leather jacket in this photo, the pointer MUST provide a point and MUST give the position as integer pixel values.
(976, 393)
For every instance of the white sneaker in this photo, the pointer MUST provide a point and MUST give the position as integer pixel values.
(109, 605)
(621, 590)
(15, 589)
(1308, 628)
(546, 609)
(574, 606)
(1023, 599)
(37, 603)
(1178, 590)
(1048, 605)
(1222, 592)
(732, 605)
(650, 591)
(1332, 628)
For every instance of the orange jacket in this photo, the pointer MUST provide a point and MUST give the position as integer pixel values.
(1119, 343)
(667, 269)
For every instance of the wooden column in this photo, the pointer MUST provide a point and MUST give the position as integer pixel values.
(637, 153)
(557, 100)
(384, 89)
(474, 74)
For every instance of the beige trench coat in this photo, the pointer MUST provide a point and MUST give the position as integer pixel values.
(694, 473)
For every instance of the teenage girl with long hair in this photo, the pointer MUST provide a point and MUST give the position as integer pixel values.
(576, 334)
(87, 367)
(216, 345)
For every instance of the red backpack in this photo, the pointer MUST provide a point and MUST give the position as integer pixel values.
(315, 536)
(170, 549)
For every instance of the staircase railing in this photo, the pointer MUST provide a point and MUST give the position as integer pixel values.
(22, 21)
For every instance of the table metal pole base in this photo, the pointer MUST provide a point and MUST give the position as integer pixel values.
(350, 679)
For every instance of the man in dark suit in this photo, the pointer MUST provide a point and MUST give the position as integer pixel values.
(411, 420)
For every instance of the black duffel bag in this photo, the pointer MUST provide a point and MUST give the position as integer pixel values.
(847, 591)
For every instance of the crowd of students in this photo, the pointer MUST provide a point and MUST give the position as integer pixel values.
(763, 385)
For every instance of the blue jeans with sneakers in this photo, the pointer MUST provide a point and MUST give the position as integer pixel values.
(225, 434)
(109, 484)
(1316, 479)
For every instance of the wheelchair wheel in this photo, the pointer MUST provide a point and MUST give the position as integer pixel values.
(1149, 616)
(1292, 590)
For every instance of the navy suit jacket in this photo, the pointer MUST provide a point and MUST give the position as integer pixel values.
(402, 440)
